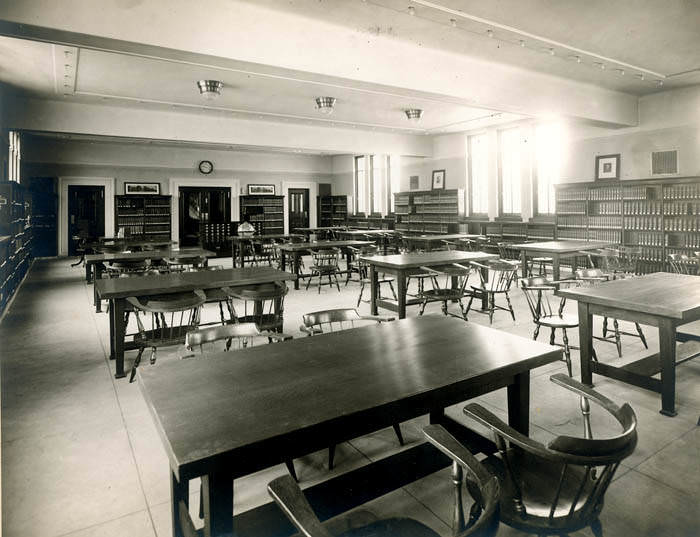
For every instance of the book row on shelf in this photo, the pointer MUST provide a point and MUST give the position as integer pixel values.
(683, 208)
(644, 207)
(609, 207)
(604, 222)
(674, 192)
(607, 235)
(605, 194)
(682, 223)
(686, 240)
(646, 239)
(650, 223)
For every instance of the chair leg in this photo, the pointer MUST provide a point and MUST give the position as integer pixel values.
(605, 326)
(510, 307)
(597, 528)
(444, 307)
(618, 342)
(331, 456)
(492, 306)
(290, 468)
(551, 336)
(153, 356)
(136, 364)
(362, 290)
(461, 308)
(336, 282)
(391, 286)
(567, 352)
(397, 430)
(308, 282)
(422, 306)
(641, 335)
(537, 332)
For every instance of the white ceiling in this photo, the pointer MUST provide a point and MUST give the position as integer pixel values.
(657, 38)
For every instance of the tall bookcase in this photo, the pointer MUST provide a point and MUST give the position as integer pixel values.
(658, 216)
(266, 213)
(15, 239)
(429, 211)
(143, 216)
(332, 210)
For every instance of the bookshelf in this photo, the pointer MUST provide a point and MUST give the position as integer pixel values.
(266, 213)
(429, 211)
(657, 216)
(332, 210)
(15, 239)
(143, 216)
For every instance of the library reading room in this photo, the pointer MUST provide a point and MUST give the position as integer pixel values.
(349, 268)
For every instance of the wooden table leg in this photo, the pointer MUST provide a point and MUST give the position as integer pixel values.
(241, 253)
(555, 267)
(283, 261)
(295, 263)
(373, 289)
(111, 330)
(585, 337)
(96, 298)
(88, 272)
(217, 490)
(667, 357)
(485, 296)
(401, 293)
(519, 403)
(523, 263)
(179, 492)
(117, 307)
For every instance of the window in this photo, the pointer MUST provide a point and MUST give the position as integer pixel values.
(393, 174)
(360, 185)
(548, 142)
(14, 157)
(377, 183)
(509, 172)
(478, 174)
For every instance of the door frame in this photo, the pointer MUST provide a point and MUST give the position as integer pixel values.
(177, 182)
(312, 186)
(308, 203)
(63, 183)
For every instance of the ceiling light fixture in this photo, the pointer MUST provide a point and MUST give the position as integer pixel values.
(411, 10)
(599, 65)
(489, 32)
(522, 43)
(414, 114)
(659, 83)
(551, 51)
(575, 58)
(453, 23)
(210, 89)
(620, 72)
(325, 104)
(640, 76)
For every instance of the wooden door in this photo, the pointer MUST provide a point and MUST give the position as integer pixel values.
(298, 208)
(86, 214)
(202, 206)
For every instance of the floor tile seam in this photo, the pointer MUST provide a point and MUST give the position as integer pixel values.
(664, 446)
(427, 507)
(657, 480)
(126, 428)
(73, 532)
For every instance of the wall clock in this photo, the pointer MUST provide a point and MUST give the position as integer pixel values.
(206, 167)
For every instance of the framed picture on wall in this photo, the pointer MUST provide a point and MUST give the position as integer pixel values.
(607, 167)
(414, 182)
(438, 180)
(261, 190)
(141, 188)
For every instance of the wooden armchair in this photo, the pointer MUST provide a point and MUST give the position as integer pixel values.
(447, 293)
(558, 488)
(325, 262)
(243, 334)
(496, 278)
(548, 312)
(321, 322)
(482, 521)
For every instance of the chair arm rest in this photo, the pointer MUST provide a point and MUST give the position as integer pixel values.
(134, 301)
(277, 336)
(309, 330)
(291, 500)
(429, 270)
(593, 278)
(478, 265)
(490, 420)
(378, 318)
(463, 267)
(438, 436)
(581, 389)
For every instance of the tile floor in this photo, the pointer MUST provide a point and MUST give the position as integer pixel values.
(81, 457)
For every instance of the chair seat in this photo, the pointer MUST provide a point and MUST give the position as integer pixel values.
(538, 479)
(442, 294)
(556, 321)
(163, 337)
(392, 527)
(324, 268)
(542, 259)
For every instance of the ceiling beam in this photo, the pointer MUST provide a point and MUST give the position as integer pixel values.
(288, 43)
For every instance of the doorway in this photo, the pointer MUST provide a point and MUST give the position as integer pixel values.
(298, 208)
(201, 205)
(86, 214)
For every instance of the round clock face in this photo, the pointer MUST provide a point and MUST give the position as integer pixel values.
(206, 166)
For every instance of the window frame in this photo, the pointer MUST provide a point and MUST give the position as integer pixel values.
(536, 177)
(470, 174)
(501, 152)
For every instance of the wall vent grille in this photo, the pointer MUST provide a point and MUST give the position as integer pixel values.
(664, 162)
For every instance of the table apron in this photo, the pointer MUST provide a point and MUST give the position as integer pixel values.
(625, 314)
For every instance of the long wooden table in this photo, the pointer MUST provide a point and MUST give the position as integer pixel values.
(98, 260)
(238, 242)
(116, 290)
(558, 250)
(297, 249)
(381, 236)
(308, 231)
(661, 299)
(222, 418)
(428, 242)
(401, 266)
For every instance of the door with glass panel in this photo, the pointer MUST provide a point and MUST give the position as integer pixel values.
(298, 208)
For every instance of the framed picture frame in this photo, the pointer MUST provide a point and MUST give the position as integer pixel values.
(261, 190)
(607, 167)
(438, 180)
(414, 182)
(142, 188)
